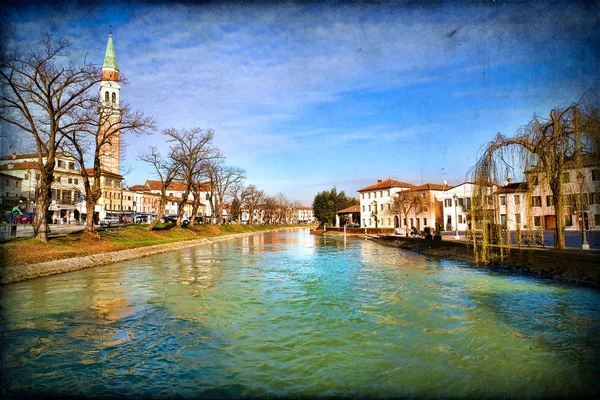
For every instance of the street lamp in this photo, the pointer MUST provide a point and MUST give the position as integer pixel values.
(455, 197)
(584, 244)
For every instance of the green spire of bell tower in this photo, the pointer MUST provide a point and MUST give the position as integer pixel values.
(110, 59)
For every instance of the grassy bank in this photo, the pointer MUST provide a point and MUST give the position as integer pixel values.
(25, 251)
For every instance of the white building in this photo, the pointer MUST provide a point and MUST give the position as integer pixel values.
(376, 203)
(457, 205)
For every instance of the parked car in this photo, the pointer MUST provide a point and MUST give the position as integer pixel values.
(173, 219)
(108, 221)
(26, 218)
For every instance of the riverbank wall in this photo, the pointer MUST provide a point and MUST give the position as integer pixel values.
(19, 273)
(573, 266)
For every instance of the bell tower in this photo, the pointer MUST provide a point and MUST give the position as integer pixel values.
(110, 112)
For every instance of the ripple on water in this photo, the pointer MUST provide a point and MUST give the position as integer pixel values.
(294, 314)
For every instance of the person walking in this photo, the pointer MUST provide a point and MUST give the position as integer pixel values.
(15, 212)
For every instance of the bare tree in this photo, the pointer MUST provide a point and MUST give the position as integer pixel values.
(191, 149)
(407, 202)
(269, 209)
(166, 169)
(282, 208)
(238, 193)
(252, 200)
(198, 188)
(221, 178)
(99, 128)
(42, 94)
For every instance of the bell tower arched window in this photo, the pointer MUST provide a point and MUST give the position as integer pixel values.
(106, 98)
(114, 97)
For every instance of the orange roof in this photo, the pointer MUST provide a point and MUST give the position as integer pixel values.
(351, 209)
(175, 185)
(15, 156)
(431, 186)
(387, 184)
(19, 166)
(90, 172)
(138, 188)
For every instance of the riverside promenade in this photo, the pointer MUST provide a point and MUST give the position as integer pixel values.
(569, 265)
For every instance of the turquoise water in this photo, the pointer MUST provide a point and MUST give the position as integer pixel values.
(294, 314)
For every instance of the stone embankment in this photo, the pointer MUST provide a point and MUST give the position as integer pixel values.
(18, 273)
(574, 266)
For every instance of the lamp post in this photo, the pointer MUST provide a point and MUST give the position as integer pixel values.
(455, 197)
(584, 244)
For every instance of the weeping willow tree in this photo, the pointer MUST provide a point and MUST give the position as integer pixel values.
(545, 149)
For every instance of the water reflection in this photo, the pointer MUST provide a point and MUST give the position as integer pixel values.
(295, 314)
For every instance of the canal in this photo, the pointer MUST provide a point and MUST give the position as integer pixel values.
(293, 314)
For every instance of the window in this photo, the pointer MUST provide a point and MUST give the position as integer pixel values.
(460, 218)
(411, 223)
(69, 180)
(106, 96)
(207, 196)
(369, 207)
(424, 221)
(381, 193)
(569, 220)
(597, 219)
(447, 202)
(61, 163)
(71, 165)
(369, 197)
(549, 201)
(518, 218)
(517, 200)
(502, 200)
(389, 206)
(114, 97)
(596, 175)
(461, 201)
(76, 181)
(536, 201)
(489, 200)
(388, 192)
(363, 208)
(389, 221)
(503, 220)
(566, 177)
(404, 221)
(117, 184)
(381, 207)
(363, 195)
(364, 222)
(595, 197)
(537, 220)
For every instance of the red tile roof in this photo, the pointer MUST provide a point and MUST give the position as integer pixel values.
(431, 186)
(19, 166)
(351, 209)
(176, 185)
(90, 172)
(30, 155)
(387, 184)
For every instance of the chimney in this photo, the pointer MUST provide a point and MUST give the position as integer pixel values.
(378, 180)
(14, 155)
(509, 181)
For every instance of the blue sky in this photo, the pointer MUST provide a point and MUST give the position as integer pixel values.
(308, 96)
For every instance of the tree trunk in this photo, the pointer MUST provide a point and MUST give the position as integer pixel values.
(42, 203)
(90, 206)
(161, 212)
(559, 212)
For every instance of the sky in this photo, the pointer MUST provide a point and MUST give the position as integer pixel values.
(307, 96)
